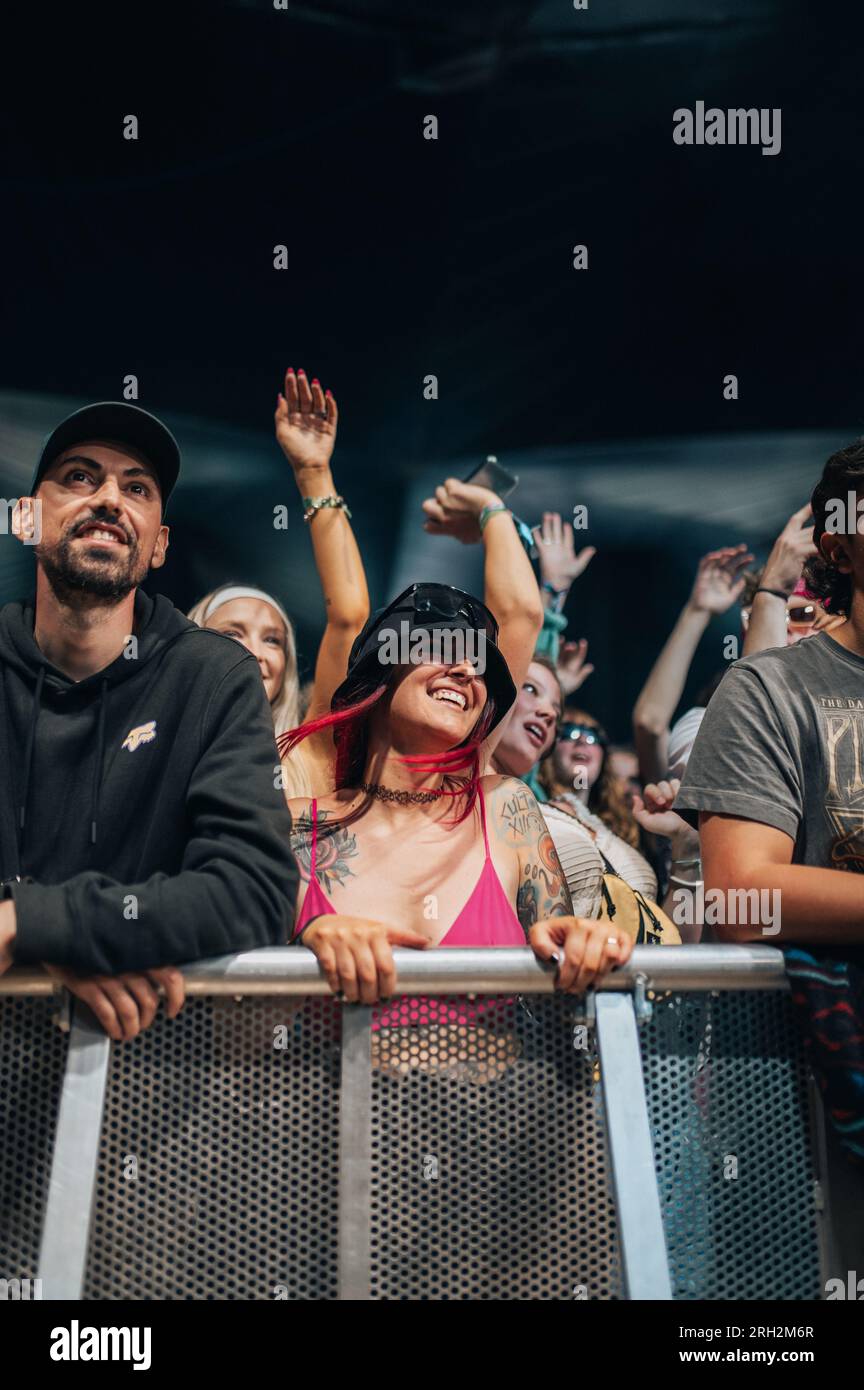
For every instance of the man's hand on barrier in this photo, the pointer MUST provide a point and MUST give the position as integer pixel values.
(584, 949)
(355, 955)
(8, 930)
(125, 1004)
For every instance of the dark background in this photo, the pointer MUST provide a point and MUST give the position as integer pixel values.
(454, 257)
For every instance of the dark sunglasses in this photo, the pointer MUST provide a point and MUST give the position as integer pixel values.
(441, 601)
(582, 733)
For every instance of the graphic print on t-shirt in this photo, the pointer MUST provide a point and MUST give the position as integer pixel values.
(842, 719)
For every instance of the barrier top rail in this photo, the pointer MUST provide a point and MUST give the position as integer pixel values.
(294, 970)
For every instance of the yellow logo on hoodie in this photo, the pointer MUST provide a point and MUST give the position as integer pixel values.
(145, 733)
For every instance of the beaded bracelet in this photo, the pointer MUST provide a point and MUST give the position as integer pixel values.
(315, 504)
(490, 511)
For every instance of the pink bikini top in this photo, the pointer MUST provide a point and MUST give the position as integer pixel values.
(487, 919)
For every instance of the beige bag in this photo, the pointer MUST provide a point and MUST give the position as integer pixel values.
(629, 910)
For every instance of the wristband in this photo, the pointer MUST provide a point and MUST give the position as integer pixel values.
(778, 593)
(490, 511)
(315, 504)
(526, 536)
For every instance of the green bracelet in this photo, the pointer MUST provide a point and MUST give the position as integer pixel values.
(488, 512)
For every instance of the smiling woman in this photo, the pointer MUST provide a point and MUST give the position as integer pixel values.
(414, 847)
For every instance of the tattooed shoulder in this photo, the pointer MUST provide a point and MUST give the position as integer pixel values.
(517, 817)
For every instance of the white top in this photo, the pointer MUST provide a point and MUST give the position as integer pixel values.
(681, 740)
(580, 856)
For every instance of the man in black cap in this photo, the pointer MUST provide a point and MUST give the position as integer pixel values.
(140, 821)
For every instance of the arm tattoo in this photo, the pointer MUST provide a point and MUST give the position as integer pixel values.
(543, 890)
(521, 818)
(335, 846)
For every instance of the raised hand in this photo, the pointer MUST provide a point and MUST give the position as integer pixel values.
(573, 670)
(455, 510)
(306, 419)
(718, 581)
(653, 809)
(792, 547)
(556, 552)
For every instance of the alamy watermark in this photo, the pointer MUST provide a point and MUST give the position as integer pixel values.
(737, 126)
(750, 907)
(432, 647)
(21, 517)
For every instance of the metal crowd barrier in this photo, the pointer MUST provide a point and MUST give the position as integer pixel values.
(482, 1138)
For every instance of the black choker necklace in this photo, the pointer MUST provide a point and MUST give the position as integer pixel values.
(404, 798)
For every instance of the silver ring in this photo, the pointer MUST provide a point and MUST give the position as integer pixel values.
(611, 941)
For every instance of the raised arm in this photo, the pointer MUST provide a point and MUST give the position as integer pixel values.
(306, 420)
(715, 589)
(785, 565)
(510, 589)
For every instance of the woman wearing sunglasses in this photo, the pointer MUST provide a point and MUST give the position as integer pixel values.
(415, 847)
(589, 812)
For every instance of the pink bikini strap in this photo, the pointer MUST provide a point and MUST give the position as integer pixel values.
(483, 818)
(312, 872)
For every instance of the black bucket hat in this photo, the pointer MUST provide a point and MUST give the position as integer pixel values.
(431, 608)
(116, 422)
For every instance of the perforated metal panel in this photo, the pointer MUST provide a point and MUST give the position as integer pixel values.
(32, 1059)
(489, 1165)
(230, 1114)
(727, 1099)
(218, 1170)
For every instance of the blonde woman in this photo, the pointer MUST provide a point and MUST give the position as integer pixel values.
(306, 418)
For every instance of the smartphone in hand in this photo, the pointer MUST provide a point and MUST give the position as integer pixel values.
(492, 476)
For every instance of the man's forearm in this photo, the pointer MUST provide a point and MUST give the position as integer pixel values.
(808, 904)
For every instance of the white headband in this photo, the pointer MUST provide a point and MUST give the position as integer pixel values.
(240, 591)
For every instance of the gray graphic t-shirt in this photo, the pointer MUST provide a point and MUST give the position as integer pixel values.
(782, 742)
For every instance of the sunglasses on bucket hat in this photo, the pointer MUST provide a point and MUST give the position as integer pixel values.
(441, 603)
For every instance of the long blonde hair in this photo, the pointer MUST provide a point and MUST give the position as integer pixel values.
(286, 707)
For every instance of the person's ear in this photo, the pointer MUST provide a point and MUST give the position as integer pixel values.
(831, 549)
(157, 559)
(27, 520)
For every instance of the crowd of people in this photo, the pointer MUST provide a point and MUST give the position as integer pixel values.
(170, 792)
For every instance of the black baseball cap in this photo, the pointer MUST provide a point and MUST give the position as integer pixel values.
(116, 422)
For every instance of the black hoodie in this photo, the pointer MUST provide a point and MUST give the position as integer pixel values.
(142, 802)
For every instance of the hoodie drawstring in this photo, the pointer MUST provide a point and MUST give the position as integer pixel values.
(97, 766)
(28, 760)
(96, 785)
